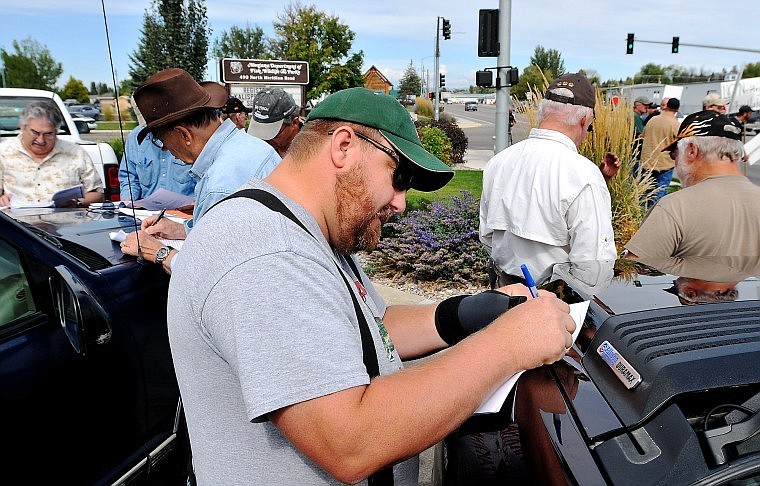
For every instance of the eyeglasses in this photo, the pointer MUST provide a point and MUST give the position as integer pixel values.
(45, 135)
(391, 153)
(402, 174)
(673, 153)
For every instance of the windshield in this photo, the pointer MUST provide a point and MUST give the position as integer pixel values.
(10, 111)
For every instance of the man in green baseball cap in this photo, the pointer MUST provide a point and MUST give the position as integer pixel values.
(289, 361)
(386, 115)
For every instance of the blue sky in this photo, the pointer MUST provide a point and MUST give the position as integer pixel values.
(393, 32)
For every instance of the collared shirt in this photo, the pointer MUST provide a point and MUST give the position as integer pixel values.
(544, 203)
(229, 159)
(35, 182)
(145, 168)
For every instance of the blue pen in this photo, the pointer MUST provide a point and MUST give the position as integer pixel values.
(529, 281)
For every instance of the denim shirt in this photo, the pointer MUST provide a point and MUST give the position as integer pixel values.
(151, 168)
(229, 159)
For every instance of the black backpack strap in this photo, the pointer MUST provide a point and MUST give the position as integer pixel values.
(275, 204)
(383, 477)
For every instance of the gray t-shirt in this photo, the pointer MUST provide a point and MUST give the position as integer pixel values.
(259, 319)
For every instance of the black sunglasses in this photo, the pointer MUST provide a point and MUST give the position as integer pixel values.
(402, 174)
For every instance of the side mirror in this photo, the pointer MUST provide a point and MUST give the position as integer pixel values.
(82, 126)
(81, 316)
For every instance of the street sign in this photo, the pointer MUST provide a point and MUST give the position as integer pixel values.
(267, 71)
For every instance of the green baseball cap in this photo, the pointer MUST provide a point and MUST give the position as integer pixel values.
(384, 113)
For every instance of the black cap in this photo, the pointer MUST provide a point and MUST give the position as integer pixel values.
(707, 123)
(745, 109)
(583, 93)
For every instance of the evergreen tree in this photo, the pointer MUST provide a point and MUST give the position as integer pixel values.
(175, 34)
(410, 83)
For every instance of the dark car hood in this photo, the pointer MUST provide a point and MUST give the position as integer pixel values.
(633, 285)
(84, 228)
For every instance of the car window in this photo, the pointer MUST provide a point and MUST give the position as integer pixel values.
(15, 295)
(10, 111)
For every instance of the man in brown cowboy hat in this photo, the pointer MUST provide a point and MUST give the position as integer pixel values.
(183, 118)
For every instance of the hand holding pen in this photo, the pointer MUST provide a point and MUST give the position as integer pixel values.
(529, 282)
(160, 215)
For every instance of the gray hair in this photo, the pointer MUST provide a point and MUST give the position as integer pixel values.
(41, 109)
(717, 147)
(563, 112)
(704, 296)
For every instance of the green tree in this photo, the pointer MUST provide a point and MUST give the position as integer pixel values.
(549, 61)
(306, 34)
(93, 88)
(410, 83)
(75, 89)
(652, 73)
(752, 70)
(239, 43)
(175, 34)
(30, 66)
(531, 79)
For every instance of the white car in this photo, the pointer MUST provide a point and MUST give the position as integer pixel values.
(79, 120)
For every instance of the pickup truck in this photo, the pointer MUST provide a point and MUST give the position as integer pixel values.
(662, 386)
(88, 393)
(13, 101)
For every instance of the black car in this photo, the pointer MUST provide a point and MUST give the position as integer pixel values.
(662, 386)
(87, 387)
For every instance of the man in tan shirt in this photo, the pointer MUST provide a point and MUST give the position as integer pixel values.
(660, 131)
(718, 210)
(35, 165)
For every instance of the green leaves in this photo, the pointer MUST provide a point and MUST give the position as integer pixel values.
(30, 66)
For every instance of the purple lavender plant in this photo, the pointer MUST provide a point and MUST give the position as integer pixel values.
(439, 243)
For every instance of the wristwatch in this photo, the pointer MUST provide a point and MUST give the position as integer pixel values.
(162, 254)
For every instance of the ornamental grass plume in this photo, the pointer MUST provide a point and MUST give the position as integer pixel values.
(613, 132)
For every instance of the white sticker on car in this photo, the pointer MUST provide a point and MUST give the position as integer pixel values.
(622, 368)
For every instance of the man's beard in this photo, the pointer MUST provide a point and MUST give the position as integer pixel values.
(683, 171)
(356, 214)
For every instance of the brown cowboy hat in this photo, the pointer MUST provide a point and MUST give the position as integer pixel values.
(172, 94)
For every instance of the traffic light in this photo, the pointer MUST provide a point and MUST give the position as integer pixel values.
(629, 45)
(674, 46)
(430, 95)
(446, 29)
(443, 81)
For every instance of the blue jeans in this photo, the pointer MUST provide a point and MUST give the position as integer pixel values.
(662, 180)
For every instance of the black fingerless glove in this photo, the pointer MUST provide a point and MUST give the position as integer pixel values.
(458, 317)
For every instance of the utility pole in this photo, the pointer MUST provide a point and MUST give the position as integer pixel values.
(502, 94)
(437, 68)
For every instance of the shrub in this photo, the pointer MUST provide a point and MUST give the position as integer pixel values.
(424, 107)
(437, 143)
(118, 146)
(456, 135)
(439, 243)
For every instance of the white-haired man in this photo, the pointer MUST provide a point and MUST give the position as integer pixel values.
(718, 211)
(543, 202)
